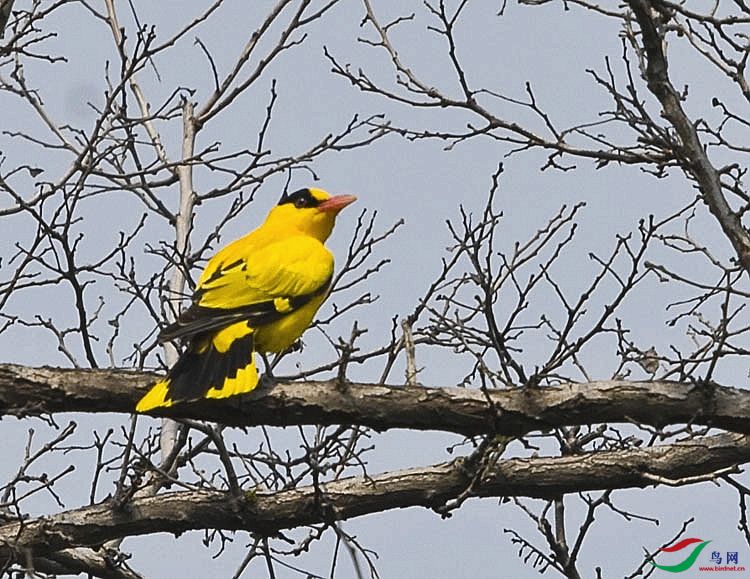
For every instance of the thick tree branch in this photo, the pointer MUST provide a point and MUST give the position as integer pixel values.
(266, 513)
(28, 391)
(696, 161)
(80, 561)
(6, 9)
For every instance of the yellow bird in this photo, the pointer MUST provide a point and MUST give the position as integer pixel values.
(257, 294)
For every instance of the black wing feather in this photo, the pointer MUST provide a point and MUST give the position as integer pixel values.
(197, 372)
(199, 319)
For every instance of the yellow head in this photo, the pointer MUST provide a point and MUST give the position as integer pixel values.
(308, 211)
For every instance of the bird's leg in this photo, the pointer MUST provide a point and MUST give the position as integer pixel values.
(267, 379)
(268, 365)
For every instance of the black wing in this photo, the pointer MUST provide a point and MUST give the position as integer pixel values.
(200, 319)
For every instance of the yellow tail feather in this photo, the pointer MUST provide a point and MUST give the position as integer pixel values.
(217, 366)
(160, 396)
(155, 398)
(245, 381)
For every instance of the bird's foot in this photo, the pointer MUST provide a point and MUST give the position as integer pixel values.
(267, 381)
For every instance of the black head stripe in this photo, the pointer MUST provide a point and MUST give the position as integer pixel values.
(301, 198)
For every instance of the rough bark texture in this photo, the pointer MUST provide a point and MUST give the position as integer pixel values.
(33, 391)
(265, 513)
(82, 561)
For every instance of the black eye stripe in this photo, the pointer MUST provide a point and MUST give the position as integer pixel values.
(301, 198)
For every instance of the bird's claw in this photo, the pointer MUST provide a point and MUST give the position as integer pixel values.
(267, 381)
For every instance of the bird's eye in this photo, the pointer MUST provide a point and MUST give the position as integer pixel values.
(300, 202)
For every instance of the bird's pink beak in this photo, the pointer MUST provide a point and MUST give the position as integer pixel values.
(337, 203)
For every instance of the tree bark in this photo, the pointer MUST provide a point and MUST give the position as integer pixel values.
(82, 561)
(6, 9)
(28, 391)
(265, 513)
